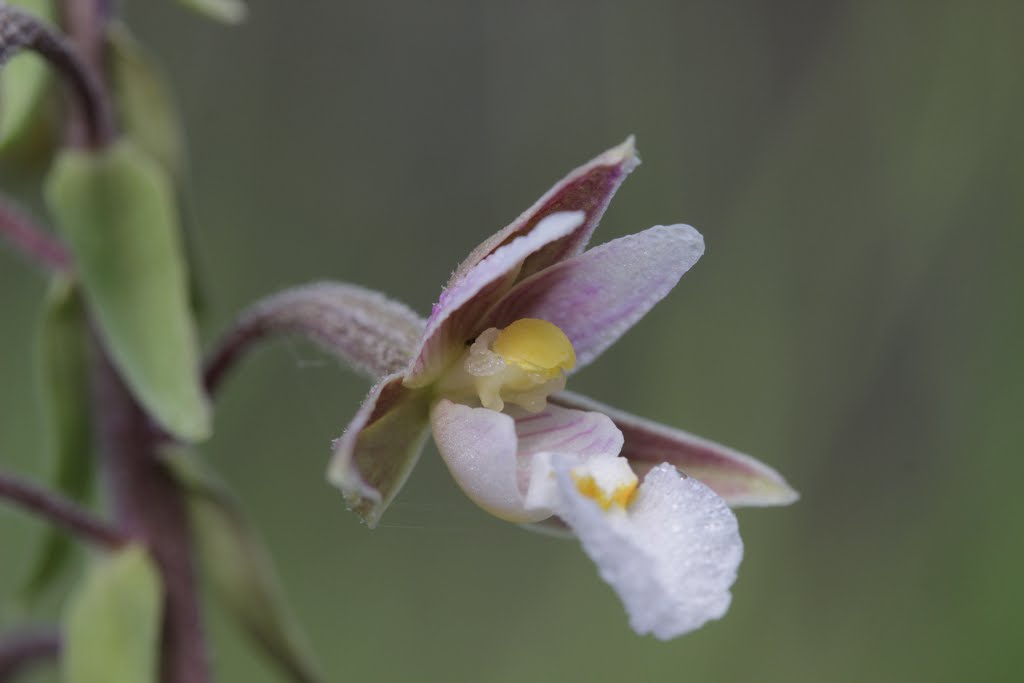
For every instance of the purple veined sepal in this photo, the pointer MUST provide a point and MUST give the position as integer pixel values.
(593, 297)
(597, 296)
(379, 448)
(540, 237)
(739, 479)
(588, 188)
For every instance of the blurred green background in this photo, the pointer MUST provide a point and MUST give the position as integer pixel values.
(856, 322)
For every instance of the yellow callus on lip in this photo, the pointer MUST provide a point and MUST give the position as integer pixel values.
(536, 346)
(607, 480)
(618, 497)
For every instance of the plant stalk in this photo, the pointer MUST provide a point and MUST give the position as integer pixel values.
(148, 502)
(94, 121)
(60, 512)
(150, 505)
(20, 651)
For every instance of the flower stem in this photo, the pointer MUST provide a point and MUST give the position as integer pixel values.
(369, 332)
(21, 650)
(230, 348)
(60, 512)
(32, 241)
(20, 30)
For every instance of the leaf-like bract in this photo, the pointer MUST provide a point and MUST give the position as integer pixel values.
(117, 211)
(112, 624)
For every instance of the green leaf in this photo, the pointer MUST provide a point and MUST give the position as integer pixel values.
(226, 11)
(62, 362)
(144, 101)
(23, 81)
(240, 568)
(149, 114)
(115, 208)
(112, 624)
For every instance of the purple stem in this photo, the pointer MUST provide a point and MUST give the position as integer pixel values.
(32, 241)
(20, 30)
(150, 505)
(20, 651)
(60, 512)
(230, 349)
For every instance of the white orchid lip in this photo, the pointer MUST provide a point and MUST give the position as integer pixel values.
(521, 364)
(670, 547)
(671, 555)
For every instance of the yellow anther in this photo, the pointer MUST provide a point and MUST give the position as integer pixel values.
(535, 346)
(619, 497)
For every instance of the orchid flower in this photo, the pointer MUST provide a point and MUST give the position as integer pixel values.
(528, 307)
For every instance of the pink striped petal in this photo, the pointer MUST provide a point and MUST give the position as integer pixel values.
(490, 454)
(597, 296)
(458, 315)
(738, 478)
(379, 448)
(589, 188)
(559, 430)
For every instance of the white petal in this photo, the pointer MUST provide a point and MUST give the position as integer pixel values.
(479, 447)
(671, 557)
(503, 464)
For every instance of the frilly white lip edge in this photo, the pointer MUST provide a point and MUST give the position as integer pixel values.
(672, 556)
